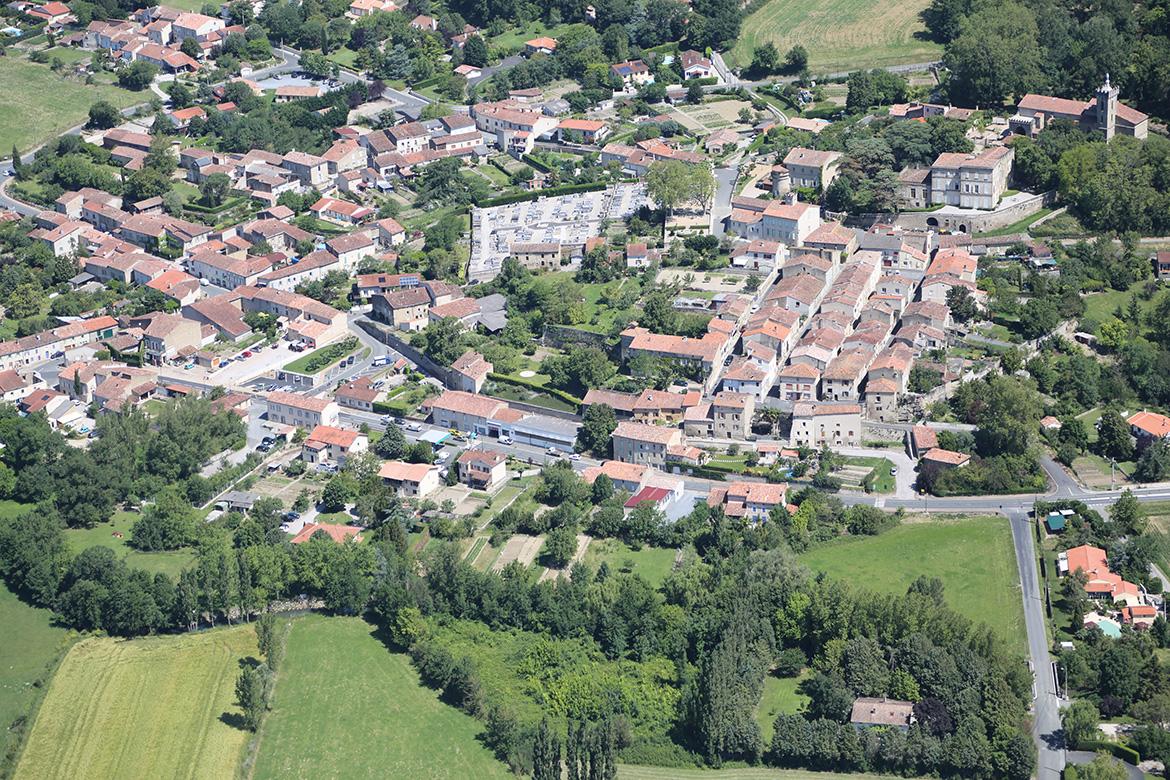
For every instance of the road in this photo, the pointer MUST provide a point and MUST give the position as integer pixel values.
(725, 178)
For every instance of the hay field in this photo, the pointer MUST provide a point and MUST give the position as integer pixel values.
(840, 35)
(151, 707)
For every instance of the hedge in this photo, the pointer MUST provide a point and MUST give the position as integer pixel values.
(520, 197)
(1118, 750)
(535, 163)
(527, 385)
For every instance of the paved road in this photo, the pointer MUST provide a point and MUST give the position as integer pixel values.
(725, 179)
(491, 70)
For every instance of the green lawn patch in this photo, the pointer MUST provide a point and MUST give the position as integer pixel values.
(30, 117)
(1019, 226)
(632, 772)
(1102, 305)
(840, 35)
(513, 39)
(150, 707)
(345, 706)
(973, 557)
(30, 647)
(880, 478)
(105, 535)
(651, 563)
(320, 359)
(780, 697)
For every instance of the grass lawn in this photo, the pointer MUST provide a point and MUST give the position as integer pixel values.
(103, 536)
(632, 772)
(883, 480)
(29, 648)
(345, 706)
(987, 593)
(9, 508)
(1019, 226)
(514, 393)
(29, 118)
(840, 35)
(513, 39)
(1100, 306)
(325, 357)
(651, 563)
(779, 697)
(151, 707)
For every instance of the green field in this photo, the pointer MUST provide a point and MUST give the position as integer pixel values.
(987, 591)
(840, 35)
(1101, 306)
(151, 707)
(779, 696)
(29, 647)
(631, 772)
(651, 563)
(345, 706)
(170, 563)
(29, 118)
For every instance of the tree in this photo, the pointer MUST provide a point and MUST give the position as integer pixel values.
(1154, 464)
(160, 157)
(250, 695)
(215, 188)
(694, 93)
(181, 96)
(103, 115)
(146, 183)
(1128, 514)
(475, 52)
(441, 341)
(559, 547)
(137, 75)
(995, 56)
(596, 431)
(26, 300)
(1007, 416)
(666, 184)
(392, 445)
(796, 60)
(546, 754)
(962, 304)
(1080, 722)
(766, 60)
(1102, 767)
(1113, 438)
(167, 524)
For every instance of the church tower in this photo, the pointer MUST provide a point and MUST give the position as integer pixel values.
(1107, 109)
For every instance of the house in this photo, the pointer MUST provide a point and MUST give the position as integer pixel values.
(1148, 427)
(721, 141)
(825, 424)
(695, 66)
(841, 378)
(758, 255)
(335, 531)
(390, 233)
(1161, 261)
(631, 73)
(228, 272)
(327, 443)
(629, 477)
(939, 458)
(1141, 616)
(359, 393)
(643, 444)
(1101, 583)
(971, 181)
(798, 382)
(882, 713)
(812, 169)
(410, 480)
(537, 256)
(179, 287)
(405, 309)
(424, 22)
(701, 355)
(469, 372)
(1105, 113)
(542, 45)
(482, 469)
(171, 336)
(832, 241)
(727, 416)
(468, 72)
(590, 131)
(351, 248)
(787, 221)
(751, 500)
(292, 92)
(301, 411)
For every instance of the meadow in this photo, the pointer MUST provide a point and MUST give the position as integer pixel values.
(28, 119)
(973, 557)
(651, 563)
(840, 35)
(106, 535)
(345, 706)
(30, 647)
(631, 772)
(152, 707)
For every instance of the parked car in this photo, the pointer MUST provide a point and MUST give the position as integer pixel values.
(247, 353)
(399, 421)
(575, 456)
(506, 440)
(414, 427)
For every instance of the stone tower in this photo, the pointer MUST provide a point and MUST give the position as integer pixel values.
(781, 181)
(1106, 108)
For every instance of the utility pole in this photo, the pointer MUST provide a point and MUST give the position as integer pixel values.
(1112, 466)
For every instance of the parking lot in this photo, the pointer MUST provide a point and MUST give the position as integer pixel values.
(565, 219)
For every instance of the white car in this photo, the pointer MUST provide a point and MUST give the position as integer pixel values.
(442, 456)
(506, 440)
(575, 456)
(414, 427)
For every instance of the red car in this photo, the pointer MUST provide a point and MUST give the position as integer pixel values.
(247, 353)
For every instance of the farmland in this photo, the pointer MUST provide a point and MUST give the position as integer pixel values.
(987, 593)
(153, 707)
(366, 712)
(28, 118)
(840, 35)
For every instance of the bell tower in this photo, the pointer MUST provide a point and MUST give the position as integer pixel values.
(1106, 109)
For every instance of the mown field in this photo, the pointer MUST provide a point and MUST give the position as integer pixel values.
(840, 35)
(152, 707)
(973, 557)
(39, 104)
(169, 563)
(347, 707)
(29, 646)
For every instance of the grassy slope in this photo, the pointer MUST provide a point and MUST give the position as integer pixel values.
(630, 772)
(652, 563)
(347, 707)
(840, 35)
(39, 104)
(987, 591)
(152, 707)
(29, 645)
(103, 535)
